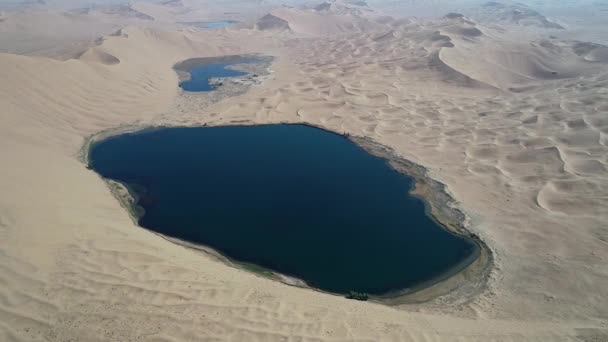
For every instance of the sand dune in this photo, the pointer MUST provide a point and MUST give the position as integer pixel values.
(514, 13)
(202, 10)
(51, 33)
(527, 167)
(591, 52)
(271, 22)
(324, 23)
(99, 56)
(499, 60)
(344, 7)
(124, 11)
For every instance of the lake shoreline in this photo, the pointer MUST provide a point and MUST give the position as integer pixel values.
(236, 62)
(468, 276)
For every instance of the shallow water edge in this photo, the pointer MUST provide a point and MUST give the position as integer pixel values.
(465, 279)
(237, 62)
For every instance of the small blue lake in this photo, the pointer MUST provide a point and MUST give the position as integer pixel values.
(199, 76)
(294, 199)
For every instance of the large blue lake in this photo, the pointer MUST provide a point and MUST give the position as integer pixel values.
(293, 199)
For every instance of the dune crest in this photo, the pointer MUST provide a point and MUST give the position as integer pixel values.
(271, 22)
(327, 23)
(343, 7)
(504, 63)
(99, 56)
(591, 52)
(515, 13)
(125, 11)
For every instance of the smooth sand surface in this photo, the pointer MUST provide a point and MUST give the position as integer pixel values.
(516, 127)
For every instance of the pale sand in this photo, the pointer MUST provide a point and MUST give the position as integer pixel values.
(528, 167)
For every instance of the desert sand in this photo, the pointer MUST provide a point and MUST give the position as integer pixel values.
(510, 114)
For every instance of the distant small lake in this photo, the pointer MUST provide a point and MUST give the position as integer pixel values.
(211, 24)
(199, 76)
(294, 199)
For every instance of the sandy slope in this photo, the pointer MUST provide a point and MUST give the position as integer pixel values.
(529, 168)
(50, 33)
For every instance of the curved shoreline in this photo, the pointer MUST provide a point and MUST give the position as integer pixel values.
(469, 275)
(473, 272)
(236, 62)
(443, 209)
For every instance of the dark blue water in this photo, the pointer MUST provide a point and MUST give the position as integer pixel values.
(294, 199)
(217, 24)
(199, 76)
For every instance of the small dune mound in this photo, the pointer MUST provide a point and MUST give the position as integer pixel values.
(118, 33)
(459, 26)
(125, 11)
(517, 13)
(514, 65)
(459, 18)
(464, 31)
(353, 7)
(173, 3)
(360, 3)
(308, 22)
(451, 75)
(598, 55)
(591, 52)
(454, 16)
(99, 56)
(508, 66)
(271, 22)
(384, 37)
(384, 19)
(322, 7)
(471, 32)
(438, 40)
(400, 22)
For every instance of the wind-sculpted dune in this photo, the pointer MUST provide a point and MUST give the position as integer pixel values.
(99, 56)
(591, 52)
(271, 22)
(315, 22)
(515, 13)
(505, 63)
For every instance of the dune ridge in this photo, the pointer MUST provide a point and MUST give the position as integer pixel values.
(515, 13)
(503, 62)
(99, 56)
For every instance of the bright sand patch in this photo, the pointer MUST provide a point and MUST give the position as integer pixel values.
(528, 168)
